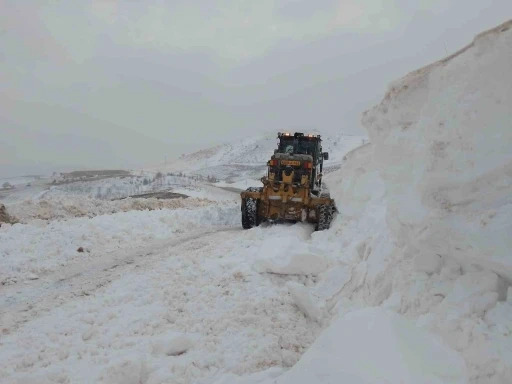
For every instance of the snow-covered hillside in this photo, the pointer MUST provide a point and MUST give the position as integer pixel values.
(121, 187)
(258, 149)
(247, 158)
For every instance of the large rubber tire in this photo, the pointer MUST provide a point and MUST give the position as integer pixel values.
(250, 213)
(324, 213)
(327, 194)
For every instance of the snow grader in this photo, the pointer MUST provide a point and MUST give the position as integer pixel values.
(292, 189)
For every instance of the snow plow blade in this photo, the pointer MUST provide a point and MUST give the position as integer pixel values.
(258, 207)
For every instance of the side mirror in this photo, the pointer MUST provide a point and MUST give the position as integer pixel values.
(325, 155)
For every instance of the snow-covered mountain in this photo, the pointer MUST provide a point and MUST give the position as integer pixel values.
(247, 158)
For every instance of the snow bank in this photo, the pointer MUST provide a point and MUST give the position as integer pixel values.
(441, 141)
(375, 346)
(69, 207)
(109, 188)
(41, 247)
(426, 208)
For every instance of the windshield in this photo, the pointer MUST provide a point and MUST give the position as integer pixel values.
(306, 147)
(286, 145)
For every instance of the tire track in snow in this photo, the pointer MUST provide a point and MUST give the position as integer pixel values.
(20, 304)
(111, 316)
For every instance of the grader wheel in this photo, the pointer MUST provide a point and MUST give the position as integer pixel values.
(324, 214)
(249, 213)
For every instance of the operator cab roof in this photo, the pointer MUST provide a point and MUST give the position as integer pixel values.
(299, 135)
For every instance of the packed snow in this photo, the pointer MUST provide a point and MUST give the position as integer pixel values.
(122, 187)
(69, 207)
(182, 311)
(425, 211)
(41, 247)
(110, 195)
(374, 345)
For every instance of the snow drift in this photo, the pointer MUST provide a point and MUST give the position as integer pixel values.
(374, 346)
(426, 208)
(61, 208)
(441, 141)
(41, 247)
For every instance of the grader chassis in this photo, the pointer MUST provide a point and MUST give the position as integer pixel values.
(292, 189)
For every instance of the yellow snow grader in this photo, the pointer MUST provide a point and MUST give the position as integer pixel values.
(292, 189)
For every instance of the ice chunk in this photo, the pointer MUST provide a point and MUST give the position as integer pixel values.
(333, 281)
(472, 284)
(303, 299)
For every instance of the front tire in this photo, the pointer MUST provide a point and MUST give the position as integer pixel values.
(324, 214)
(250, 213)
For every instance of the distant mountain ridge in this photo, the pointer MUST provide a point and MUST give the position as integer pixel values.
(247, 158)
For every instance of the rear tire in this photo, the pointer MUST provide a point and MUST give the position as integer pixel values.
(324, 213)
(327, 195)
(250, 213)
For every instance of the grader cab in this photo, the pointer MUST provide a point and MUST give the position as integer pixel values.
(292, 188)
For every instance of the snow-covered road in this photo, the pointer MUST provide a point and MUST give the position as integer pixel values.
(124, 317)
(19, 303)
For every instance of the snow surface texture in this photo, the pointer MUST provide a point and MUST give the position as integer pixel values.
(70, 207)
(189, 309)
(441, 140)
(42, 247)
(120, 187)
(376, 346)
(426, 212)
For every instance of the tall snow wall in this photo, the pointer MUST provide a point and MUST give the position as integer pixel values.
(426, 208)
(442, 138)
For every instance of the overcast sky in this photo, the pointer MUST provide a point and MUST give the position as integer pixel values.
(111, 83)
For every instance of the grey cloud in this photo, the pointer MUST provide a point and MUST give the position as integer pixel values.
(302, 9)
(107, 92)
